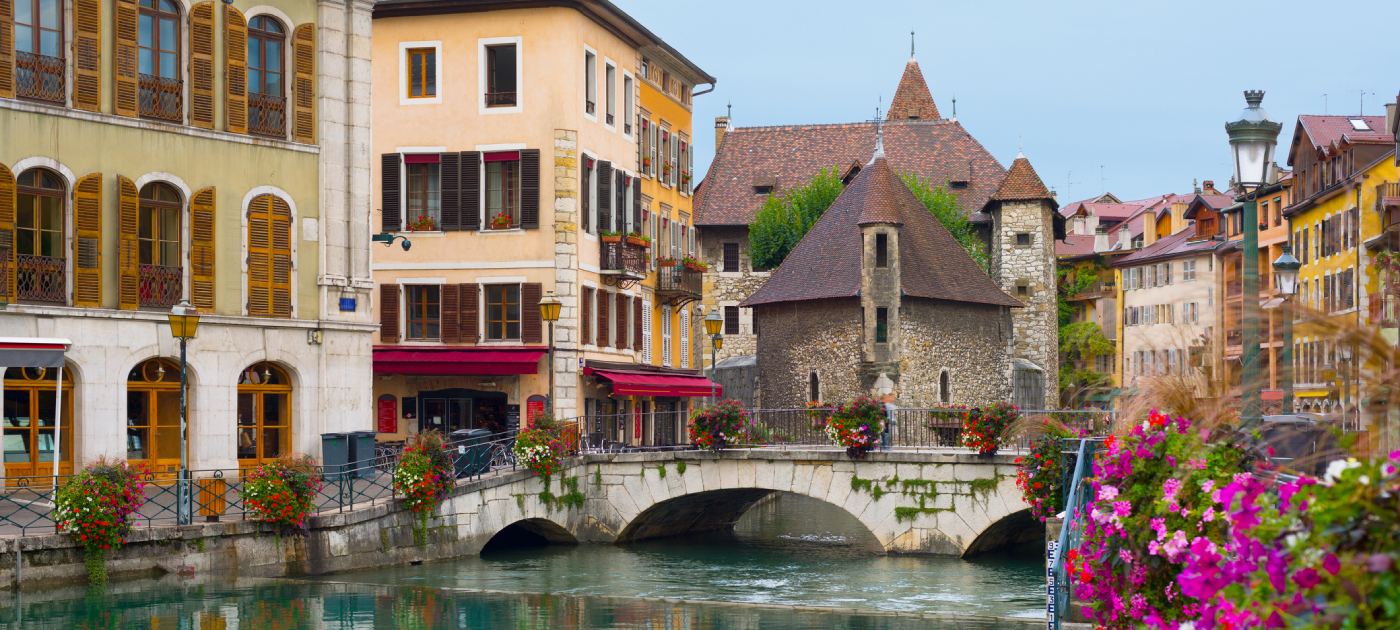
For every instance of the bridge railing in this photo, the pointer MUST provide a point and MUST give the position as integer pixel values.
(1072, 529)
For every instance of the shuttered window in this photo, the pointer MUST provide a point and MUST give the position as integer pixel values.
(39, 232)
(7, 232)
(158, 42)
(124, 69)
(304, 84)
(586, 179)
(451, 319)
(422, 313)
(605, 177)
(531, 324)
(685, 338)
(388, 313)
(87, 241)
(502, 311)
(87, 55)
(620, 341)
(267, 100)
(646, 332)
(666, 335)
(160, 270)
(586, 316)
(128, 258)
(38, 50)
(235, 70)
(636, 323)
(469, 312)
(202, 213)
(390, 192)
(202, 65)
(602, 320)
(269, 257)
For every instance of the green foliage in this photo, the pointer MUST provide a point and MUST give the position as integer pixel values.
(1083, 341)
(95, 507)
(1080, 342)
(680, 467)
(572, 497)
(784, 219)
(944, 207)
(661, 471)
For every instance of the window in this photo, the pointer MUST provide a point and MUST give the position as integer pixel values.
(730, 261)
(666, 335)
(667, 174)
(814, 387)
(502, 311)
(158, 245)
(503, 189)
(424, 311)
(882, 324)
(610, 92)
(269, 257)
(945, 394)
(882, 253)
(153, 414)
(683, 162)
(264, 413)
(500, 75)
(158, 60)
(589, 196)
(763, 189)
(627, 96)
(39, 64)
(267, 105)
(1024, 239)
(422, 192)
(421, 72)
(39, 254)
(1188, 270)
(731, 320)
(1023, 288)
(590, 83)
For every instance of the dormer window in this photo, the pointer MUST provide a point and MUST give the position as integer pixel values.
(763, 189)
(958, 184)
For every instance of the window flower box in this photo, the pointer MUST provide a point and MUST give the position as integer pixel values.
(423, 223)
(634, 238)
(502, 221)
(610, 237)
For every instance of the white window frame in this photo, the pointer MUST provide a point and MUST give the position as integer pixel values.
(609, 93)
(646, 332)
(481, 45)
(592, 191)
(685, 337)
(666, 335)
(590, 84)
(629, 106)
(402, 71)
(403, 284)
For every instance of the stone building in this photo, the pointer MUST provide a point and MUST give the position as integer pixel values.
(879, 287)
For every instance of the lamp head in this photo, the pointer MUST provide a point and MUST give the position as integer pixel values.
(184, 320)
(1286, 268)
(1252, 140)
(550, 307)
(714, 322)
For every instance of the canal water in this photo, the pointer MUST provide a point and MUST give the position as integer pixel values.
(791, 562)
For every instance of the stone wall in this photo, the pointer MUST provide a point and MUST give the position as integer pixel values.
(1036, 336)
(798, 339)
(730, 288)
(566, 331)
(969, 341)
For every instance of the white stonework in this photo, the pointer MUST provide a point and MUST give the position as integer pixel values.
(1027, 273)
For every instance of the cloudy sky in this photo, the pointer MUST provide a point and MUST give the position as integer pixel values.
(1125, 96)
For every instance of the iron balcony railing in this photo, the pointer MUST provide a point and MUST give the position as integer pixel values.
(39, 77)
(160, 286)
(500, 99)
(623, 257)
(161, 98)
(267, 115)
(677, 281)
(41, 279)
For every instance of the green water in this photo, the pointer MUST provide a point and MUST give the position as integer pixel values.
(791, 563)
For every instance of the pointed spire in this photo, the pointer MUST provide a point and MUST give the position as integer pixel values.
(879, 138)
(1021, 183)
(912, 99)
(911, 45)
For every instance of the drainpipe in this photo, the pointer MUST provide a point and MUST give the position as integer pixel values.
(1356, 295)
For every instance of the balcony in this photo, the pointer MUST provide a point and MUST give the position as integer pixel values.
(39, 77)
(40, 279)
(500, 99)
(622, 263)
(678, 285)
(160, 286)
(161, 98)
(1387, 196)
(267, 115)
(1234, 338)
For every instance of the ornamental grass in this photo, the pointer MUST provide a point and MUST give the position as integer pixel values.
(96, 507)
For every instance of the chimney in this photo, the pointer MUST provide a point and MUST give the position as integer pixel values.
(1100, 239)
(721, 129)
(1208, 187)
(1391, 114)
(1125, 239)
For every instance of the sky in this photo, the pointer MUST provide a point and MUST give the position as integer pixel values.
(1125, 96)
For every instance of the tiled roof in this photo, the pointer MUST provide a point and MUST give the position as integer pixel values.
(1325, 131)
(826, 264)
(940, 151)
(1021, 183)
(912, 99)
(1176, 245)
(1075, 245)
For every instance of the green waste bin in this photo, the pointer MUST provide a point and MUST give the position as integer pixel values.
(361, 457)
(473, 453)
(335, 453)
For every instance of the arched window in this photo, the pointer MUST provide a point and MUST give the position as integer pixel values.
(153, 415)
(267, 101)
(30, 402)
(158, 60)
(264, 414)
(944, 391)
(39, 50)
(158, 245)
(269, 257)
(40, 274)
(814, 387)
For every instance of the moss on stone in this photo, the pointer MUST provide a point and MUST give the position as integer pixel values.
(661, 470)
(680, 467)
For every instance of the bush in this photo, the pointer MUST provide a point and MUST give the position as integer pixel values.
(1041, 473)
(713, 427)
(856, 425)
(283, 492)
(540, 447)
(983, 427)
(95, 507)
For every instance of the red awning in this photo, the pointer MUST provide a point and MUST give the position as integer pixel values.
(653, 384)
(455, 361)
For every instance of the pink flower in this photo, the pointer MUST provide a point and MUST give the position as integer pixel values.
(1306, 578)
(1108, 493)
(1331, 563)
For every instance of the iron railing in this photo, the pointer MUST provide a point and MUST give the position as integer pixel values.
(41, 279)
(160, 285)
(624, 257)
(267, 115)
(500, 99)
(678, 282)
(161, 98)
(39, 77)
(1072, 528)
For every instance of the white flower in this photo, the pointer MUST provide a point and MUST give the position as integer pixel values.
(1337, 467)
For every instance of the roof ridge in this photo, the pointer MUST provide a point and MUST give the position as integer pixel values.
(857, 123)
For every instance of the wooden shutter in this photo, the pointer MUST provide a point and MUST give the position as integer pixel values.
(388, 313)
(620, 336)
(7, 227)
(269, 257)
(7, 49)
(391, 192)
(637, 204)
(202, 65)
(637, 323)
(124, 70)
(603, 299)
(469, 320)
(605, 178)
(620, 204)
(471, 190)
(586, 317)
(235, 69)
(530, 324)
(202, 212)
(87, 241)
(530, 188)
(449, 314)
(585, 205)
(450, 182)
(87, 54)
(128, 253)
(304, 83)
(281, 258)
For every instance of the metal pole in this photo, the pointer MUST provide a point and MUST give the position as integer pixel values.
(551, 369)
(182, 515)
(713, 350)
(58, 426)
(1249, 354)
(1285, 354)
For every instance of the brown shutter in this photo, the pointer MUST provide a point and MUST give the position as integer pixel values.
(202, 212)
(7, 230)
(7, 49)
(202, 65)
(87, 54)
(87, 241)
(235, 69)
(620, 336)
(451, 185)
(530, 188)
(637, 324)
(605, 178)
(128, 254)
(471, 190)
(124, 71)
(470, 320)
(603, 299)
(530, 324)
(637, 204)
(449, 314)
(304, 83)
(260, 256)
(388, 313)
(586, 214)
(281, 258)
(391, 192)
(586, 316)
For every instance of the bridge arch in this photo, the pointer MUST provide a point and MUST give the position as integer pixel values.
(714, 510)
(529, 532)
(1013, 529)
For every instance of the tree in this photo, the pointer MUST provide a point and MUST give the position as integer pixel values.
(784, 219)
(1081, 342)
(944, 207)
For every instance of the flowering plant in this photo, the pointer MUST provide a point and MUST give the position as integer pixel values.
(694, 264)
(856, 425)
(982, 427)
(541, 446)
(1040, 476)
(95, 508)
(713, 427)
(423, 223)
(817, 413)
(501, 221)
(424, 476)
(282, 491)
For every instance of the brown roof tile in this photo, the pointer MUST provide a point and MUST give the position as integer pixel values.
(912, 99)
(1021, 183)
(826, 263)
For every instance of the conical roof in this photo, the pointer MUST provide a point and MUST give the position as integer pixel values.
(1021, 183)
(912, 99)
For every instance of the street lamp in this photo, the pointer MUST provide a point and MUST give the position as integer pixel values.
(1252, 141)
(714, 323)
(549, 312)
(184, 322)
(1286, 268)
(388, 239)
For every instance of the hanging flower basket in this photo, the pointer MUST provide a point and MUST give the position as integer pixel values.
(423, 478)
(712, 428)
(282, 492)
(666, 262)
(95, 507)
(983, 427)
(856, 425)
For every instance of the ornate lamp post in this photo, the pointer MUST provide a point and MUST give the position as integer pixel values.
(714, 323)
(1252, 140)
(1286, 268)
(549, 312)
(184, 322)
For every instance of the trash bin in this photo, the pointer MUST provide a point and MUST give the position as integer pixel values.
(362, 453)
(335, 453)
(473, 454)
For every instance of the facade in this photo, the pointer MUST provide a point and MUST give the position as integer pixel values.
(526, 150)
(163, 151)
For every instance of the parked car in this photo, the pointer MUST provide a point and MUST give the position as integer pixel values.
(1304, 442)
